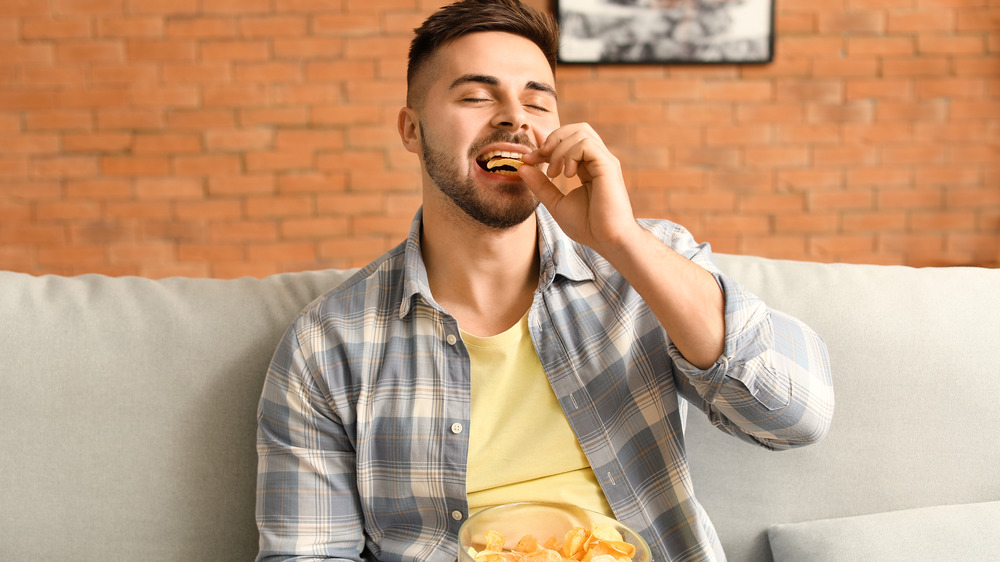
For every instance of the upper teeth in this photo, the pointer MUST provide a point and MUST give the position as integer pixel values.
(504, 154)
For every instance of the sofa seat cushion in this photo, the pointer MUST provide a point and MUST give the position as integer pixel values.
(967, 532)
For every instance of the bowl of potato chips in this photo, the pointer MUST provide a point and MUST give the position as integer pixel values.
(547, 532)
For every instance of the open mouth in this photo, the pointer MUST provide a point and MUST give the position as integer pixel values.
(500, 162)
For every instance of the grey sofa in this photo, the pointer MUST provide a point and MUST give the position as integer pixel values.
(127, 417)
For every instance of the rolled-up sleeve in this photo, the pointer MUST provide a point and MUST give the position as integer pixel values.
(772, 385)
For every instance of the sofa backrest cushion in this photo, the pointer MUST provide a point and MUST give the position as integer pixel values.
(915, 354)
(128, 412)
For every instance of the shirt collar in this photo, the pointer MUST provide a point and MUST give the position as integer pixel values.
(559, 255)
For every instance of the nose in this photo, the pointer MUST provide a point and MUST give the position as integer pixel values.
(511, 116)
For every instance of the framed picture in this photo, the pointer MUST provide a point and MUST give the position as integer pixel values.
(666, 31)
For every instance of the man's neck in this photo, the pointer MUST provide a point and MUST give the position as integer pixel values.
(485, 278)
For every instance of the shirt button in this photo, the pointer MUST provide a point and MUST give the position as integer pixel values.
(451, 339)
(456, 515)
(456, 428)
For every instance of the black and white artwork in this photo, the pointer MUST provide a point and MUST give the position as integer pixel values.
(658, 31)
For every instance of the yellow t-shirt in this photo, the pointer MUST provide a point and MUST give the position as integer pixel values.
(521, 447)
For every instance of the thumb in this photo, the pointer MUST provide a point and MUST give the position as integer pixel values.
(546, 191)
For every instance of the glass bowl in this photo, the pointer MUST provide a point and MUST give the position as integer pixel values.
(541, 520)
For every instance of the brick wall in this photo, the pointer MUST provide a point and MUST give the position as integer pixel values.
(247, 137)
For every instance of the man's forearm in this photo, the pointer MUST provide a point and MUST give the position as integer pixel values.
(683, 295)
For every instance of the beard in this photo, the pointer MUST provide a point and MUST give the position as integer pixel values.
(510, 206)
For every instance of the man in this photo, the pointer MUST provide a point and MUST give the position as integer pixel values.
(514, 351)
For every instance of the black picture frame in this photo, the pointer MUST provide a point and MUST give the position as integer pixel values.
(666, 31)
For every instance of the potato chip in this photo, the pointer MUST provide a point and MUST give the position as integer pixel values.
(494, 540)
(527, 544)
(603, 544)
(575, 543)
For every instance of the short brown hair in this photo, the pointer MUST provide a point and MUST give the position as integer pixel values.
(471, 16)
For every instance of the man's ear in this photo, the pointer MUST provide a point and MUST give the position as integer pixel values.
(409, 129)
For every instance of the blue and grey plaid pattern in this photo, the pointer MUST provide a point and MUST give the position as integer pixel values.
(360, 456)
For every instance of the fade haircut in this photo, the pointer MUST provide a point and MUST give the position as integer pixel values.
(472, 16)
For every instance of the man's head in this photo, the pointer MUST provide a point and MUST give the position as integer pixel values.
(471, 16)
(482, 94)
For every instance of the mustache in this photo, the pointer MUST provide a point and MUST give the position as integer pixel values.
(501, 136)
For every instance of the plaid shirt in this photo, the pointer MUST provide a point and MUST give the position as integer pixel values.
(364, 417)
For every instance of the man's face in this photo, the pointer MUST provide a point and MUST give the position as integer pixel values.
(491, 94)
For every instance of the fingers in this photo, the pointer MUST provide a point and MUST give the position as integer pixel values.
(569, 147)
(537, 181)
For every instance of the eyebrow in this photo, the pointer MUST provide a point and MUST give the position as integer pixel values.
(494, 81)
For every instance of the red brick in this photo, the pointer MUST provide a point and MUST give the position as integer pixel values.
(235, 6)
(202, 252)
(880, 46)
(222, 209)
(861, 21)
(860, 111)
(200, 72)
(275, 116)
(169, 188)
(247, 95)
(67, 210)
(75, 255)
(951, 45)
(279, 160)
(243, 231)
(99, 189)
(776, 157)
(62, 28)
(282, 252)
(201, 28)
(167, 143)
(130, 26)
(93, 97)
(269, 72)
(130, 118)
(52, 75)
(97, 142)
(838, 200)
(139, 210)
(125, 73)
(309, 139)
(199, 119)
(349, 203)
(810, 178)
(61, 167)
(309, 47)
(875, 221)
(879, 89)
(135, 165)
(90, 51)
(844, 156)
(30, 143)
(207, 165)
(50, 235)
(235, 50)
(159, 50)
(234, 184)
(354, 114)
(238, 139)
(348, 24)
(314, 228)
(312, 182)
(914, 198)
(274, 26)
(920, 21)
(738, 135)
(86, 7)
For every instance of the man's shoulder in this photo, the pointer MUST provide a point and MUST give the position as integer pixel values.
(378, 285)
